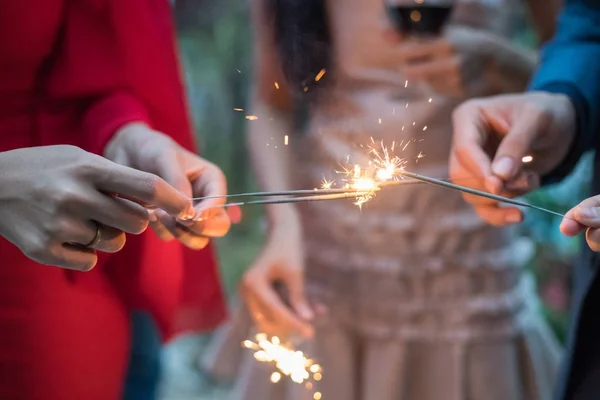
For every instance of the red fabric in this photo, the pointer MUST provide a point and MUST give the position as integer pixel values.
(71, 72)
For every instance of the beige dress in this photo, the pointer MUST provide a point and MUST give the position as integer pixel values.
(425, 300)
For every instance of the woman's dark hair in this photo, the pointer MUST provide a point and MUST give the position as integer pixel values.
(303, 40)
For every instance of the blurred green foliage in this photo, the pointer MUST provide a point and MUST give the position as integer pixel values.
(215, 44)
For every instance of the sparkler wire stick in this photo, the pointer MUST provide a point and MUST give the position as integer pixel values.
(303, 199)
(313, 192)
(475, 192)
(276, 193)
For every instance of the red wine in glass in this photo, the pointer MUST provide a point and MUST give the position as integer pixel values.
(419, 17)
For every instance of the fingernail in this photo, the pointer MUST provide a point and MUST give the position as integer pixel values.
(188, 214)
(305, 312)
(503, 167)
(185, 222)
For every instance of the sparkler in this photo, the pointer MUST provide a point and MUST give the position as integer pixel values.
(289, 362)
(476, 192)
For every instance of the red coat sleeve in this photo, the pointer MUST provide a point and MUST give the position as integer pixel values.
(116, 63)
(88, 66)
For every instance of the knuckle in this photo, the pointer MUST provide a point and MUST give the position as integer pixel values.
(249, 280)
(67, 197)
(38, 250)
(540, 113)
(150, 184)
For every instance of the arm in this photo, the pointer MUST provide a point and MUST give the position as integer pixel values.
(570, 65)
(281, 259)
(476, 55)
(86, 66)
(271, 164)
(512, 65)
(543, 15)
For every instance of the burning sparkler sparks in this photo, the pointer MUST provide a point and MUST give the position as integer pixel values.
(289, 362)
(320, 75)
(383, 167)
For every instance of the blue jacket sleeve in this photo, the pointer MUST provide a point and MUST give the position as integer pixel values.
(570, 64)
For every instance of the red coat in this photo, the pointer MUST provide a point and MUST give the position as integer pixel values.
(72, 72)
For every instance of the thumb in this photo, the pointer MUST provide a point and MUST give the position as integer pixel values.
(585, 215)
(514, 146)
(588, 212)
(295, 286)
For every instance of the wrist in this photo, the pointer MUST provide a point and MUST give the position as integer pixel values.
(129, 136)
(510, 67)
(283, 217)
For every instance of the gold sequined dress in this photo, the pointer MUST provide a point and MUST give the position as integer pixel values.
(425, 300)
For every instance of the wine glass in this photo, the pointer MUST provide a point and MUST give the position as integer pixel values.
(417, 20)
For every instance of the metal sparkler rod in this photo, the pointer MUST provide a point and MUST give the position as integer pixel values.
(302, 199)
(475, 192)
(315, 192)
(276, 193)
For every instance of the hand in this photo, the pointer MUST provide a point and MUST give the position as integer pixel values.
(453, 64)
(138, 146)
(53, 199)
(281, 261)
(505, 129)
(586, 216)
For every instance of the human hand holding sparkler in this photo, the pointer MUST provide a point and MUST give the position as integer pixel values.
(505, 143)
(584, 217)
(138, 146)
(281, 261)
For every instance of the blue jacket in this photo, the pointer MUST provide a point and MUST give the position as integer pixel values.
(570, 64)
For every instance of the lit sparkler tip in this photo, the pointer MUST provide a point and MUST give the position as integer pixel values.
(527, 159)
(288, 362)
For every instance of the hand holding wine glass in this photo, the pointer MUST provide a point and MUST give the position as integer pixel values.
(416, 22)
(419, 18)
